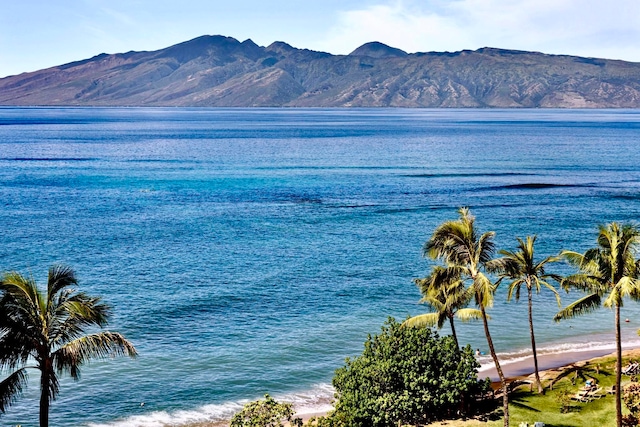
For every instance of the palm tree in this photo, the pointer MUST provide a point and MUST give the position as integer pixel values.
(521, 267)
(607, 271)
(47, 329)
(448, 296)
(466, 254)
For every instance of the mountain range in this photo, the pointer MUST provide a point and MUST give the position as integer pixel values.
(218, 71)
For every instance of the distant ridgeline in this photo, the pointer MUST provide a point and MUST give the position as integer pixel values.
(217, 71)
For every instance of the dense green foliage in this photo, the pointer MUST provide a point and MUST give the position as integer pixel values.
(265, 413)
(407, 375)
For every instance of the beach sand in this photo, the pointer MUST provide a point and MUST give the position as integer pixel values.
(550, 366)
(550, 362)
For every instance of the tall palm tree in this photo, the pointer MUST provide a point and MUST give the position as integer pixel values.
(466, 254)
(607, 271)
(47, 329)
(523, 269)
(448, 296)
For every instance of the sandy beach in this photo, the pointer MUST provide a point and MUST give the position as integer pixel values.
(549, 363)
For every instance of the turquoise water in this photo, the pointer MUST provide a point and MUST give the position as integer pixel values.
(249, 251)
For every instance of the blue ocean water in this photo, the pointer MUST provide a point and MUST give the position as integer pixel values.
(249, 251)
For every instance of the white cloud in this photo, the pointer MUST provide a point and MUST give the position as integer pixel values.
(576, 27)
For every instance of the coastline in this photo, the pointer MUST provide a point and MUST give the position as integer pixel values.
(550, 362)
(550, 366)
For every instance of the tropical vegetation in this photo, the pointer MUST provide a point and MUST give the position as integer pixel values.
(608, 273)
(522, 267)
(265, 413)
(45, 330)
(555, 407)
(407, 376)
(445, 292)
(466, 254)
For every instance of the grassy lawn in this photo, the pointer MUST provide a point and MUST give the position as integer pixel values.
(529, 407)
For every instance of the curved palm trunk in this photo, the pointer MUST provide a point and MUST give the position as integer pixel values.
(533, 344)
(503, 382)
(453, 333)
(618, 369)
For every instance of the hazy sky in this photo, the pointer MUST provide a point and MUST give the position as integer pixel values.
(37, 34)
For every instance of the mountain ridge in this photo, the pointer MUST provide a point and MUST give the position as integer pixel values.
(220, 71)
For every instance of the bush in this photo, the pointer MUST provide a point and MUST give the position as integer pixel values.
(631, 397)
(406, 375)
(265, 413)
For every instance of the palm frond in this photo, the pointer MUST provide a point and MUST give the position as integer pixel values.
(574, 258)
(501, 265)
(555, 277)
(515, 287)
(454, 241)
(486, 247)
(540, 266)
(11, 387)
(583, 282)
(484, 290)
(549, 286)
(89, 310)
(626, 287)
(16, 345)
(582, 306)
(72, 313)
(22, 293)
(20, 319)
(428, 320)
(614, 298)
(71, 356)
(469, 314)
(60, 277)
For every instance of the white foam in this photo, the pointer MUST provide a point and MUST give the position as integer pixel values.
(214, 413)
(316, 400)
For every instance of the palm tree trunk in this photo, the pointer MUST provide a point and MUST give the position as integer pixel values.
(533, 343)
(618, 369)
(44, 397)
(503, 382)
(453, 333)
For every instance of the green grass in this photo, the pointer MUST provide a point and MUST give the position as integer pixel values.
(527, 406)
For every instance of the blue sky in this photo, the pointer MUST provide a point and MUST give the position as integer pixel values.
(37, 34)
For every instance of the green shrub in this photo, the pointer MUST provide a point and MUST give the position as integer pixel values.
(406, 375)
(265, 413)
(631, 397)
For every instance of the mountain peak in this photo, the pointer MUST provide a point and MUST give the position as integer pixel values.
(378, 50)
(221, 47)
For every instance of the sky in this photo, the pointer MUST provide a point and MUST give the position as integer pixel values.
(37, 34)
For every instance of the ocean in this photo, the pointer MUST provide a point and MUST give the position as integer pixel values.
(249, 251)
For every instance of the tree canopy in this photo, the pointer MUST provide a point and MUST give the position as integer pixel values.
(407, 375)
